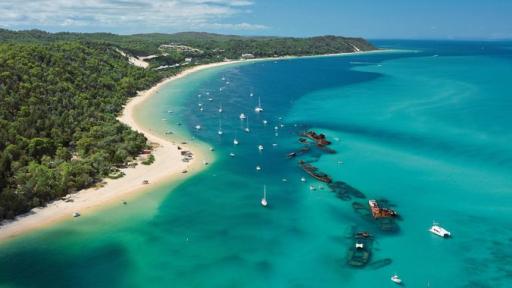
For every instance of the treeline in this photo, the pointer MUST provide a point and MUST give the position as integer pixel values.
(58, 127)
(214, 45)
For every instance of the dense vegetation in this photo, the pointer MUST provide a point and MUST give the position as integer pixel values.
(58, 131)
(60, 94)
(214, 46)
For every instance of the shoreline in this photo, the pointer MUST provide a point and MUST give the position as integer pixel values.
(167, 166)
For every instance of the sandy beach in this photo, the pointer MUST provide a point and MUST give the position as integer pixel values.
(168, 166)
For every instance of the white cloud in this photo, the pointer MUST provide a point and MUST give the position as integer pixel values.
(161, 14)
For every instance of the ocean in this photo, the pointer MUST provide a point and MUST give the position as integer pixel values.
(425, 127)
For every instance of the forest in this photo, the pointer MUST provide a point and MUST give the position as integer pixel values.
(60, 94)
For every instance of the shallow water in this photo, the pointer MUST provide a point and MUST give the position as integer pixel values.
(429, 133)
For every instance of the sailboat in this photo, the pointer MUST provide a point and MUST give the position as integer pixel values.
(260, 147)
(235, 141)
(242, 116)
(247, 127)
(220, 128)
(258, 108)
(220, 108)
(264, 202)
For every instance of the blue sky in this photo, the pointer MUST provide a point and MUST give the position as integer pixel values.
(410, 19)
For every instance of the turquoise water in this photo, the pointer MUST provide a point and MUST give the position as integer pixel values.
(429, 130)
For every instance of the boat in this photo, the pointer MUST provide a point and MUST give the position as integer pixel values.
(260, 147)
(396, 279)
(359, 253)
(319, 139)
(314, 172)
(235, 141)
(380, 212)
(302, 179)
(76, 214)
(198, 127)
(265, 122)
(312, 187)
(201, 109)
(258, 168)
(258, 108)
(252, 94)
(440, 231)
(232, 154)
(210, 99)
(220, 108)
(220, 128)
(242, 116)
(247, 127)
(264, 199)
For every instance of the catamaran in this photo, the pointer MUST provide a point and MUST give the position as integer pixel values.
(264, 199)
(258, 108)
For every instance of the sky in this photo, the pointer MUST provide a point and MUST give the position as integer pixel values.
(374, 19)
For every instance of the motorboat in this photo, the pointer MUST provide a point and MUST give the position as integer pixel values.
(439, 231)
(396, 279)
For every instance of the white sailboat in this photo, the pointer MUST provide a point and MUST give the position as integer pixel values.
(247, 127)
(260, 147)
(235, 141)
(220, 108)
(264, 202)
(198, 127)
(220, 128)
(242, 116)
(258, 108)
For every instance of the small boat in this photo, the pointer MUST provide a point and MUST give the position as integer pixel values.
(198, 127)
(205, 163)
(247, 127)
(252, 94)
(274, 144)
(396, 279)
(212, 149)
(201, 109)
(76, 214)
(232, 154)
(264, 199)
(265, 122)
(260, 147)
(312, 187)
(242, 116)
(258, 108)
(235, 141)
(220, 128)
(440, 231)
(170, 111)
(302, 179)
(223, 78)
(220, 108)
(258, 168)
(210, 99)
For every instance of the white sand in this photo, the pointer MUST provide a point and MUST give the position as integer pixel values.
(167, 167)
